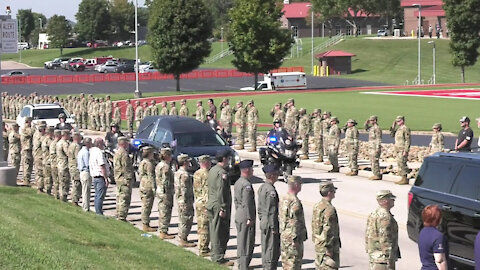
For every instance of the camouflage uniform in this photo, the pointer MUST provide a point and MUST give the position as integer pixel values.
(73, 150)
(325, 130)
(184, 109)
(154, 108)
(226, 117)
(146, 171)
(165, 189)
(101, 115)
(117, 115)
(291, 120)
(240, 118)
(304, 131)
(164, 110)
(173, 109)
(84, 112)
(53, 165)
(108, 111)
(47, 165)
(277, 112)
(5, 145)
(93, 114)
(333, 144)
(63, 168)
(38, 137)
(352, 145)
(200, 190)
(138, 115)
(124, 177)
(130, 114)
(252, 120)
(292, 231)
(184, 196)
(14, 150)
(200, 113)
(27, 156)
(437, 143)
(375, 145)
(402, 145)
(317, 134)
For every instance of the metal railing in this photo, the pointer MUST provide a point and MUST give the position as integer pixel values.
(219, 56)
(328, 43)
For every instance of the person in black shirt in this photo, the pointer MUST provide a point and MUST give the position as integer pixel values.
(465, 136)
(212, 108)
(112, 136)
(278, 132)
(63, 124)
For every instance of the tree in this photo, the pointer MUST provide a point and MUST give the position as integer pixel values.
(178, 33)
(26, 22)
(58, 30)
(39, 27)
(93, 20)
(463, 19)
(219, 10)
(123, 19)
(255, 37)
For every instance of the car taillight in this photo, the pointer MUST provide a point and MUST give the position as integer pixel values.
(410, 198)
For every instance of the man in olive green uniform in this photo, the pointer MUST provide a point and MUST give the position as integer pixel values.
(268, 216)
(252, 120)
(277, 112)
(38, 155)
(138, 114)
(164, 110)
(240, 122)
(317, 133)
(146, 172)
(26, 139)
(108, 111)
(117, 115)
(73, 150)
(200, 190)
(375, 146)
(84, 111)
(381, 237)
(304, 131)
(200, 112)
(219, 208)
(124, 177)
(14, 146)
(173, 109)
(352, 145)
(293, 231)
(53, 162)
(47, 166)
(401, 133)
(437, 143)
(226, 116)
(184, 109)
(165, 189)
(325, 129)
(245, 215)
(146, 110)
(325, 229)
(101, 114)
(62, 164)
(184, 196)
(333, 143)
(291, 118)
(130, 114)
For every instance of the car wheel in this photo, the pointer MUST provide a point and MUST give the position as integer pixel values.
(105, 71)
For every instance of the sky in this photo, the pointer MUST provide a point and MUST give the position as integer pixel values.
(67, 8)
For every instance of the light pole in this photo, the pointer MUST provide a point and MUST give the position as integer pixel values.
(41, 22)
(434, 78)
(311, 8)
(137, 92)
(221, 40)
(419, 34)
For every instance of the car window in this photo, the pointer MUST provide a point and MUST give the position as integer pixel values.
(51, 113)
(467, 183)
(163, 136)
(25, 112)
(436, 176)
(199, 139)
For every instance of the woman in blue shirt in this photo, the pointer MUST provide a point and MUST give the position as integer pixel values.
(432, 244)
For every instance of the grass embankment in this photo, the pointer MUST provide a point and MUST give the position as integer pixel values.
(38, 232)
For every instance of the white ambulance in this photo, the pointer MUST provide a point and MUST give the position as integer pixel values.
(280, 81)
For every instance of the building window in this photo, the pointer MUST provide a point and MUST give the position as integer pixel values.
(348, 30)
(338, 30)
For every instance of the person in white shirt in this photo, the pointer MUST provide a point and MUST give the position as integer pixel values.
(99, 171)
(82, 164)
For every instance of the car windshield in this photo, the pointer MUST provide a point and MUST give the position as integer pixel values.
(51, 113)
(199, 139)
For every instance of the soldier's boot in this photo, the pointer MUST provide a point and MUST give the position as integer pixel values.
(226, 263)
(26, 183)
(165, 236)
(375, 177)
(319, 159)
(304, 157)
(184, 243)
(147, 228)
(334, 170)
(204, 254)
(75, 203)
(352, 173)
(252, 149)
(403, 181)
(239, 147)
(40, 191)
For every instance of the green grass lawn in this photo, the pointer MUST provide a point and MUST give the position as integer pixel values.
(38, 232)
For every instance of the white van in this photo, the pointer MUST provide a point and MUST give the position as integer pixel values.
(23, 45)
(280, 81)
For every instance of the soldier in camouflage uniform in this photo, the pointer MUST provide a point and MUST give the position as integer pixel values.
(226, 116)
(138, 114)
(200, 190)
(84, 111)
(146, 111)
(92, 109)
(73, 150)
(102, 114)
(53, 162)
(14, 146)
(325, 229)
(252, 120)
(240, 122)
(124, 177)
(352, 145)
(173, 109)
(437, 143)
(375, 146)
(293, 231)
(291, 118)
(317, 133)
(38, 137)
(277, 112)
(146, 172)
(26, 139)
(108, 111)
(62, 164)
(184, 196)
(381, 237)
(200, 112)
(183, 108)
(401, 133)
(154, 108)
(325, 129)
(333, 140)
(47, 166)
(117, 115)
(304, 131)
(130, 114)
(5, 141)
(164, 110)
(165, 189)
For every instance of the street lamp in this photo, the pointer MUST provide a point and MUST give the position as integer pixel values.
(434, 77)
(221, 40)
(137, 92)
(41, 22)
(311, 8)
(419, 33)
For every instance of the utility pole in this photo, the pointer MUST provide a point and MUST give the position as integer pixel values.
(419, 36)
(137, 92)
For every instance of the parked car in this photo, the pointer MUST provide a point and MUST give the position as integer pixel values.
(55, 63)
(108, 67)
(184, 135)
(43, 112)
(14, 73)
(148, 69)
(142, 42)
(23, 45)
(383, 33)
(451, 181)
(66, 65)
(77, 64)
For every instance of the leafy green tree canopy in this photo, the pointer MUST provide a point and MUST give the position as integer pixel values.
(58, 30)
(93, 20)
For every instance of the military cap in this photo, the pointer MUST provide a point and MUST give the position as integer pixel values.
(182, 158)
(62, 115)
(334, 118)
(203, 158)
(240, 102)
(302, 110)
(137, 101)
(15, 125)
(50, 129)
(465, 119)
(250, 102)
(172, 102)
(373, 117)
(294, 179)
(352, 121)
(108, 96)
(437, 125)
(153, 102)
(245, 164)
(327, 113)
(225, 100)
(28, 119)
(43, 122)
(184, 100)
(270, 168)
(327, 186)
(222, 154)
(209, 113)
(385, 194)
(316, 111)
(291, 100)
(77, 133)
(165, 151)
(57, 132)
(278, 104)
(122, 139)
(199, 101)
(400, 117)
(147, 149)
(65, 132)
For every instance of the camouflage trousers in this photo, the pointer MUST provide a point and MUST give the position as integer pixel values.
(382, 266)
(202, 228)
(240, 130)
(375, 152)
(39, 173)
(292, 255)
(252, 136)
(137, 123)
(47, 177)
(108, 119)
(84, 115)
(304, 138)
(333, 156)
(146, 194)
(185, 220)
(15, 161)
(324, 262)
(319, 146)
(103, 122)
(5, 149)
(130, 125)
(98, 122)
(118, 121)
(76, 184)
(401, 163)
(27, 159)
(92, 123)
(165, 204)
(325, 147)
(64, 183)
(228, 127)
(124, 196)
(79, 119)
(55, 191)
(352, 154)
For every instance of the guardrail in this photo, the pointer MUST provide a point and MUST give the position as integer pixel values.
(117, 77)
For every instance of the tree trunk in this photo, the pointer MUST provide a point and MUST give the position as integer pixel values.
(256, 80)
(462, 73)
(61, 50)
(177, 80)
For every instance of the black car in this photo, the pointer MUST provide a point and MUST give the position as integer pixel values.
(451, 181)
(185, 136)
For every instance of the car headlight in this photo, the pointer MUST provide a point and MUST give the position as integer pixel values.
(236, 158)
(288, 142)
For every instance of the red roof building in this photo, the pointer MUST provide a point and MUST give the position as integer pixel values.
(433, 19)
(335, 62)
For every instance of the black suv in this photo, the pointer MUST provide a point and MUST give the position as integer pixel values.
(451, 181)
(184, 135)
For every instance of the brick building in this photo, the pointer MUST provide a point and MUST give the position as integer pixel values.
(432, 15)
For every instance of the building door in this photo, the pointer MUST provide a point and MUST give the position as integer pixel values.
(369, 29)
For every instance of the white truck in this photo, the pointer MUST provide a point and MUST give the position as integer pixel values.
(280, 81)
